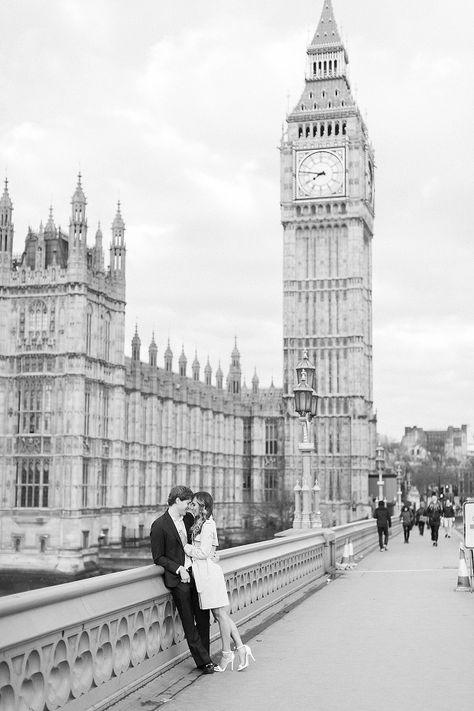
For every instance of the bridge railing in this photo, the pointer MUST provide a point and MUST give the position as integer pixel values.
(85, 644)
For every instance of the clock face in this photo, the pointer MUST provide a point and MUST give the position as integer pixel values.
(320, 174)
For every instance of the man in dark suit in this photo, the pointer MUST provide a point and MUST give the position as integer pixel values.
(169, 533)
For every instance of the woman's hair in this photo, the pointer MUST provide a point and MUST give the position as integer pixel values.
(205, 503)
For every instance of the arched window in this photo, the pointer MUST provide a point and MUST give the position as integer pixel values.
(37, 318)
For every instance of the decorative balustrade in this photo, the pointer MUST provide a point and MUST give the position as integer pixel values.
(85, 644)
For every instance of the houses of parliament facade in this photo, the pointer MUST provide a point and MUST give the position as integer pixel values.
(91, 441)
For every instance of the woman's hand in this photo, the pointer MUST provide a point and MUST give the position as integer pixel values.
(188, 548)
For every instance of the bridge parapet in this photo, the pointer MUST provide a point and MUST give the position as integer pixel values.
(85, 644)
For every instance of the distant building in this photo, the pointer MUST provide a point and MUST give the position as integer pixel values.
(436, 445)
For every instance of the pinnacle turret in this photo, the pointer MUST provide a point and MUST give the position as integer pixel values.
(196, 367)
(152, 350)
(182, 362)
(234, 378)
(117, 248)
(208, 373)
(136, 343)
(168, 358)
(255, 382)
(5, 201)
(219, 377)
(50, 229)
(98, 250)
(6, 228)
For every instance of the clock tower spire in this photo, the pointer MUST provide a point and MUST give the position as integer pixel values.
(327, 211)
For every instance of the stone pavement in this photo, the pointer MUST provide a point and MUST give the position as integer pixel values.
(391, 633)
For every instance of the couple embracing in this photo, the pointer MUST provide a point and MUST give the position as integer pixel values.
(183, 542)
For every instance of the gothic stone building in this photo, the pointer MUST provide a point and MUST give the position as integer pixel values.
(327, 212)
(91, 441)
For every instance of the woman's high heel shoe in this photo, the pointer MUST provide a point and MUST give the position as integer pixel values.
(227, 658)
(248, 654)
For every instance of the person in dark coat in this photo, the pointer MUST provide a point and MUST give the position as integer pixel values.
(406, 517)
(168, 536)
(420, 518)
(434, 512)
(384, 522)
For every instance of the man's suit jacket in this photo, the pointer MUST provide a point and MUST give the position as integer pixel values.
(166, 546)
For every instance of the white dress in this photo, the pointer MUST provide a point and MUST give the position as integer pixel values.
(208, 576)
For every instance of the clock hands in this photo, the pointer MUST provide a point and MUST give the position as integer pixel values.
(315, 172)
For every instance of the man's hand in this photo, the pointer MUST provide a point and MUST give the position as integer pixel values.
(184, 575)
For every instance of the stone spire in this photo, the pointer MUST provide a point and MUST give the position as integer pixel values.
(182, 362)
(234, 378)
(196, 367)
(6, 228)
(136, 345)
(255, 383)
(327, 84)
(168, 356)
(219, 377)
(99, 250)
(50, 229)
(78, 222)
(326, 32)
(152, 351)
(5, 201)
(208, 373)
(117, 247)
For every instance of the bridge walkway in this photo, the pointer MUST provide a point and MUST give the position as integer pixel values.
(389, 634)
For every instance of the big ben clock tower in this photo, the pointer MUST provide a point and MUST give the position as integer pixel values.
(327, 212)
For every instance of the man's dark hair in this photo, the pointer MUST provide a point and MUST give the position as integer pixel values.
(179, 492)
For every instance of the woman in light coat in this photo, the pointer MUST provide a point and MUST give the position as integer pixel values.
(210, 582)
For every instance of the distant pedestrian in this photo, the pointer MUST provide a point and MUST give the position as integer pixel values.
(448, 518)
(384, 522)
(434, 512)
(406, 517)
(421, 518)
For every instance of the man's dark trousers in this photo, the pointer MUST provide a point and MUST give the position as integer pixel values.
(186, 599)
(383, 534)
(167, 550)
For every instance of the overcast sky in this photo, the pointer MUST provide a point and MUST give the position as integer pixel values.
(176, 109)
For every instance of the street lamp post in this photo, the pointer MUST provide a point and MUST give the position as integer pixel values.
(380, 466)
(306, 405)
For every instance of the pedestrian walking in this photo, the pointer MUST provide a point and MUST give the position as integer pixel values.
(384, 522)
(448, 518)
(407, 518)
(421, 518)
(434, 512)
